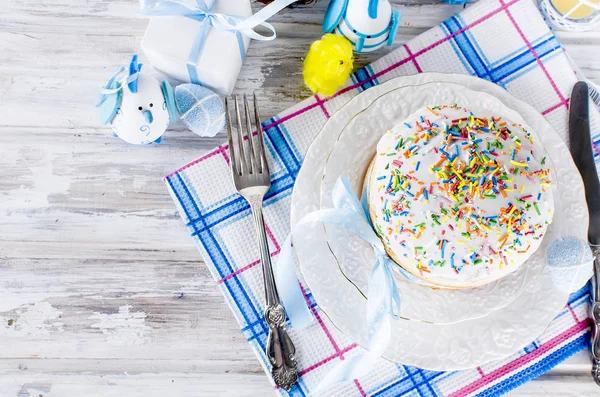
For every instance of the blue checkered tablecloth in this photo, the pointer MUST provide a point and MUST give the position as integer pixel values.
(506, 42)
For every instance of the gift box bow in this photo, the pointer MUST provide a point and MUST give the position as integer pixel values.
(201, 11)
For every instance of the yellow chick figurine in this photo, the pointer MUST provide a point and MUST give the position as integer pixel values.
(328, 64)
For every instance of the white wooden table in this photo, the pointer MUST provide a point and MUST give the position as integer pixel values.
(102, 292)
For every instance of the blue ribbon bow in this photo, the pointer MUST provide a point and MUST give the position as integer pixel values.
(202, 12)
(383, 296)
(118, 80)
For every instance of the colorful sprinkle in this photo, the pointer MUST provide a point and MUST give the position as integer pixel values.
(472, 159)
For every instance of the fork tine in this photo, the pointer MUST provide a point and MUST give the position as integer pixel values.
(232, 156)
(262, 154)
(244, 165)
(254, 164)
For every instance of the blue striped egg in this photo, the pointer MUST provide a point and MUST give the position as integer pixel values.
(200, 108)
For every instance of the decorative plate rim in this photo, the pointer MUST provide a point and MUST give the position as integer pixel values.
(428, 360)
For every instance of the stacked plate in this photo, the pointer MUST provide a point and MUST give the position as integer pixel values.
(440, 329)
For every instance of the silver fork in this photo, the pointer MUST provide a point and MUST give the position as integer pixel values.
(252, 180)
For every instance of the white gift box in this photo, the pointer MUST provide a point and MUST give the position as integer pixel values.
(169, 40)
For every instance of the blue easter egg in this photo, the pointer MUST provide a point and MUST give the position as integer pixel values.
(200, 108)
(568, 251)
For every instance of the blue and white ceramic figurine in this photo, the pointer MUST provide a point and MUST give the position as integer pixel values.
(139, 108)
(368, 24)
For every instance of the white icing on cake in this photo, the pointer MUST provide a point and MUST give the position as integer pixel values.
(460, 199)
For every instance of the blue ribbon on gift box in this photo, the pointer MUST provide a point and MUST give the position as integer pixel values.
(202, 11)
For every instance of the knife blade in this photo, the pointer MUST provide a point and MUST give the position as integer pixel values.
(580, 145)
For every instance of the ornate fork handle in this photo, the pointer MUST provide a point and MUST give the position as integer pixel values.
(595, 314)
(280, 349)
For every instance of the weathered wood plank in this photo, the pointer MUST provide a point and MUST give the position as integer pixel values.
(24, 384)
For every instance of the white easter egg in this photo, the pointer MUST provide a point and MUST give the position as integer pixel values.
(369, 44)
(358, 25)
(142, 116)
(358, 18)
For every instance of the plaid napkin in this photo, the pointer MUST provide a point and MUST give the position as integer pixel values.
(506, 42)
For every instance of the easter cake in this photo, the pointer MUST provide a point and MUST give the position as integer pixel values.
(459, 198)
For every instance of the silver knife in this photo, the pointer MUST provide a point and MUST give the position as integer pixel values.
(580, 145)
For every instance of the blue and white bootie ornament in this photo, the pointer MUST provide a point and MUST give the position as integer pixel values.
(368, 24)
(139, 108)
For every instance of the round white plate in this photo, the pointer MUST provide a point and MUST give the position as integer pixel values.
(432, 346)
(351, 156)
